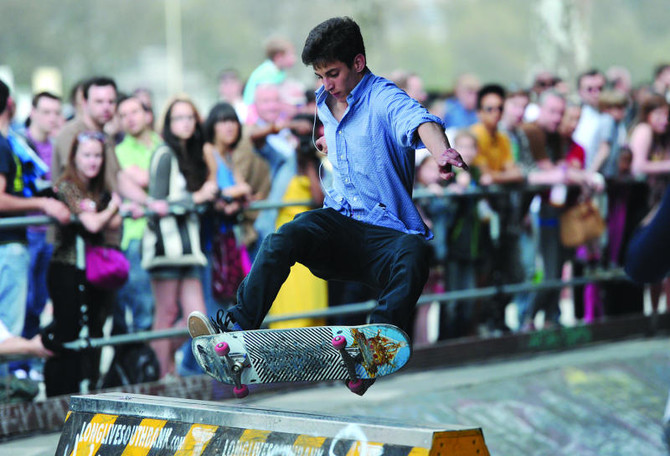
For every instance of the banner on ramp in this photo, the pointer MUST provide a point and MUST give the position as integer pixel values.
(106, 433)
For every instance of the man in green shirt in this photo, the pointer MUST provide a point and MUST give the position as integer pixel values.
(134, 155)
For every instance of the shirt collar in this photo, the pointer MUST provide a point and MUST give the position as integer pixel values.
(322, 94)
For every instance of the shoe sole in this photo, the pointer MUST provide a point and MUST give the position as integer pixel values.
(199, 325)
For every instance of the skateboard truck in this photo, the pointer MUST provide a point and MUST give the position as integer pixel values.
(355, 383)
(234, 369)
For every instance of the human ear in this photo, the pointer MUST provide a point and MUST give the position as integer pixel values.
(359, 63)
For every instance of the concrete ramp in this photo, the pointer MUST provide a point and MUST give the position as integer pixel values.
(124, 424)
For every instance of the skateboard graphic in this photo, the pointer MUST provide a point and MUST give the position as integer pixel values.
(310, 354)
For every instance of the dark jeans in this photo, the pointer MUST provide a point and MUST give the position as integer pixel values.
(64, 372)
(336, 247)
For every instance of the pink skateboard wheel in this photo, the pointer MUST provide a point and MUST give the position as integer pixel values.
(222, 349)
(355, 387)
(339, 342)
(241, 392)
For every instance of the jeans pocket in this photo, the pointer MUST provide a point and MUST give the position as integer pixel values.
(381, 216)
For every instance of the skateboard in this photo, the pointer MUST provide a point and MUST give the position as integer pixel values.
(312, 354)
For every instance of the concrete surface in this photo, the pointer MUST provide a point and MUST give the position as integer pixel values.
(600, 400)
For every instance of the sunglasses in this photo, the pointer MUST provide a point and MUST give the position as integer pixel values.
(91, 135)
(593, 88)
(491, 109)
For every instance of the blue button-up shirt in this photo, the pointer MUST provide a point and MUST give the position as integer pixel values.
(372, 153)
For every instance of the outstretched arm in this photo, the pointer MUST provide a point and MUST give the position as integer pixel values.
(433, 137)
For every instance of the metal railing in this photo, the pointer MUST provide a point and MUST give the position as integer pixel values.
(345, 309)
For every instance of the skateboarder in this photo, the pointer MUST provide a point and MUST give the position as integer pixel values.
(368, 229)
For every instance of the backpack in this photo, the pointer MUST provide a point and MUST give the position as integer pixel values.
(132, 364)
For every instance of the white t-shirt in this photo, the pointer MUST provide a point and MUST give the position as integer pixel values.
(4, 334)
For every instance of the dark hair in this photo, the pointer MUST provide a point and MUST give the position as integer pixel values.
(488, 89)
(72, 97)
(649, 103)
(124, 98)
(592, 72)
(98, 81)
(660, 68)
(191, 159)
(219, 113)
(96, 186)
(337, 39)
(4, 96)
(39, 96)
(305, 150)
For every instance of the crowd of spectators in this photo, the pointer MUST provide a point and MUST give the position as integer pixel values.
(184, 184)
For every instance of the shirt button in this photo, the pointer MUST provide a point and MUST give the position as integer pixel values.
(339, 132)
(355, 198)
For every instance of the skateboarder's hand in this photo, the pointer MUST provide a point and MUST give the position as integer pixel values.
(450, 157)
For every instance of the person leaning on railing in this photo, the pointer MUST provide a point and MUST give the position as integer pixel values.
(79, 307)
(14, 257)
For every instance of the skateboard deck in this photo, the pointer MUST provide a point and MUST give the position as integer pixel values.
(302, 354)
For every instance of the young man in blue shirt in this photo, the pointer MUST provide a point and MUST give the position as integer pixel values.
(369, 229)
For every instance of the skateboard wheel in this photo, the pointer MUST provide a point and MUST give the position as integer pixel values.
(241, 392)
(222, 349)
(339, 342)
(355, 386)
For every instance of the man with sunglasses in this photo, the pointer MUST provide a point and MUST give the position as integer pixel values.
(495, 158)
(589, 86)
(497, 165)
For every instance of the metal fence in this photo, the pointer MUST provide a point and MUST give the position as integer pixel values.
(599, 275)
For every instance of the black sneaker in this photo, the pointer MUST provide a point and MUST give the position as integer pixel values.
(361, 386)
(201, 325)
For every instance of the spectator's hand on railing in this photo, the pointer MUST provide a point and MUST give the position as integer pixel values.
(131, 208)
(435, 188)
(36, 347)
(208, 192)
(460, 184)
(159, 207)
(597, 182)
(115, 200)
(486, 179)
(228, 208)
(56, 209)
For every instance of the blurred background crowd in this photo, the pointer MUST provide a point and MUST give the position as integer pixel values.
(186, 186)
